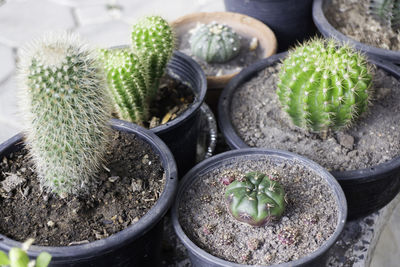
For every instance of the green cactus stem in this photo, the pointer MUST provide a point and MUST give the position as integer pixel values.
(66, 106)
(387, 12)
(324, 86)
(256, 199)
(215, 43)
(134, 74)
(153, 41)
(128, 83)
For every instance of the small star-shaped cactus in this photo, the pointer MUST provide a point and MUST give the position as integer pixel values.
(215, 43)
(256, 199)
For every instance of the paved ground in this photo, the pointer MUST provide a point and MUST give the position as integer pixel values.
(105, 23)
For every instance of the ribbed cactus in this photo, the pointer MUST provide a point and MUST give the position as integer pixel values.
(66, 107)
(387, 12)
(129, 84)
(215, 43)
(153, 41)
(133, 74)
(256, 199)
(324, 86)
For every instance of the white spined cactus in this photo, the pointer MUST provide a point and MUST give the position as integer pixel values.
(66, 107)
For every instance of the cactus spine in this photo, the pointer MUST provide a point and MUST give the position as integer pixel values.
(387, 12)
(256, 199)
(67, 107)
(322, 86)
(134, 74)
(215, 43)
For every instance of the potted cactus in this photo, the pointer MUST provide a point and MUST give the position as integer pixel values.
(134, 73)
(326, 102)
(222, 43)
(370, 26)
(258, 207)
(77, 171)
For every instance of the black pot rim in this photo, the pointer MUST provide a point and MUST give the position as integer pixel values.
(215, 161)
(198, 100)
(328, 30)
(360, 176)
(131, 233)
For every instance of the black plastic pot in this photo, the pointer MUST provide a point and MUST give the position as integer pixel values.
(319, 6)
(181, 134)
(367, 190)
(290, 20)
(199, 257)
(137, 245)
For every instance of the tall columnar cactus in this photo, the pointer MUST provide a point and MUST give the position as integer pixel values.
(134, 73)
(386, 11)
(256, 199)
(153, 41)
(215, 43)
(324, 86)
(66, 107)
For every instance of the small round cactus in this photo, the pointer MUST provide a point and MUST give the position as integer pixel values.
(324, 86)
(66, 106)
(215, 43)
(256, 199)
(387, 12)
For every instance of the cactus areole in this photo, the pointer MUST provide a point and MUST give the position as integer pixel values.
(324, 86)
(215, 43)
(256, 199)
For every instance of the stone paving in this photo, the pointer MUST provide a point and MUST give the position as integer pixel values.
(104, 23)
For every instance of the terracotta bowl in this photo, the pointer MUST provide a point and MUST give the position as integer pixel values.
(245, 26)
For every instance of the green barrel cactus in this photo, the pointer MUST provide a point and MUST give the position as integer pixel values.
(66, 106)
(215, 43)
(134, 74)
(387, 12)
(324, 86)
(256, 199)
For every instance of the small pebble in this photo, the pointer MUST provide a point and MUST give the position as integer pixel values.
(112, 179)
(253, 44)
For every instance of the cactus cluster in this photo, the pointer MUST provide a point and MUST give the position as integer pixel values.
(214, 43)
(323, 85)
(134, 73)
(66, 106)
(387, 12)
(256, 199)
